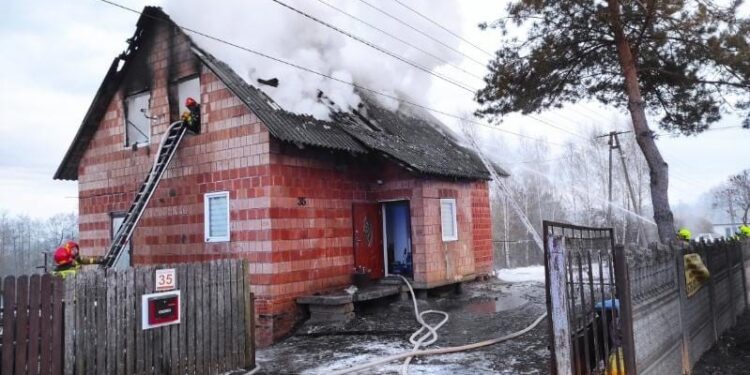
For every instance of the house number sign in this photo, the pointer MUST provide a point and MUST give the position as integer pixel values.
(165, 280)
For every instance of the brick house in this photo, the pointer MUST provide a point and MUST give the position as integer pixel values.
(302, 200)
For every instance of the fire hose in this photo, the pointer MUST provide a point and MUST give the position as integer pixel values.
(428, 336)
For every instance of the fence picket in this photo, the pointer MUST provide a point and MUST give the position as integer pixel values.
(131, 318)
(22, 322)
(57, 326)
(119, 310)
(190, 319)
(34, 325)
(80, 339)
(9, 323)
(150, 348)
(70, 327)
(182, 328)
(140, 356)
(222, 321)
(200, 348)
(207, 319)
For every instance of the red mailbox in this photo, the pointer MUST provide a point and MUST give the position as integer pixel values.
(160, 309)
(164, 309)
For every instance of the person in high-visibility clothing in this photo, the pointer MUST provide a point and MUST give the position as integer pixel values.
(684, 234)
(68, 260)
(744, 231)
(192, 117)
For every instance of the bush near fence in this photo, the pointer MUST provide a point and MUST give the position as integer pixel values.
(91, 323)
(672, 331)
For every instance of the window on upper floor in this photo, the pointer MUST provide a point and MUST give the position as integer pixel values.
(448, 223)
(216, 216)
(188, 88)
(137, 120)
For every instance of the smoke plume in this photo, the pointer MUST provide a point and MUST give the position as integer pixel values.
(268, 27)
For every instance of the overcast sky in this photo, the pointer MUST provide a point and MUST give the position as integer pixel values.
(55, 54)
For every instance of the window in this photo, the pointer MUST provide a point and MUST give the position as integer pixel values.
(124, 261)
(448, 223)
(190, 88)
(216, 216)
(137, 122)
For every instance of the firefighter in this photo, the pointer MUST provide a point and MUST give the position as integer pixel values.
(192, 117)
(68, 260)
(684, 234)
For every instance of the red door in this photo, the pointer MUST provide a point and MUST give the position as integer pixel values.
(368, 238)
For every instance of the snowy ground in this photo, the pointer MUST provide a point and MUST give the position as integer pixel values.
(485, 310)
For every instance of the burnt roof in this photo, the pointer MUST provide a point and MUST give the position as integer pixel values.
(418, 142)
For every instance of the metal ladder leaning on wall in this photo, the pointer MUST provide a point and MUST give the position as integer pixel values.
(169, 143)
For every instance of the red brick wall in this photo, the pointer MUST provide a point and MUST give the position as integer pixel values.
(481, 227)
(292, 249)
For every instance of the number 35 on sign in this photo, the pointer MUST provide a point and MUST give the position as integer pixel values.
(165, 279)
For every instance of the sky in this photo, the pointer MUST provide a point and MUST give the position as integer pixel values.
(56, 53)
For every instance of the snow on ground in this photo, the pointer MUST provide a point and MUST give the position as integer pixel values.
(521, 274)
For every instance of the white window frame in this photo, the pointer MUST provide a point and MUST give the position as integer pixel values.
(454, 236)
(207, 217)
(127, 143)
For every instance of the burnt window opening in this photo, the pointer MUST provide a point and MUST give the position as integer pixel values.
(189, 87)
(137, 119)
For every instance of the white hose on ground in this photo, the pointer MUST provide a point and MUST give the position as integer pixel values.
(431, 333)
(253, 371)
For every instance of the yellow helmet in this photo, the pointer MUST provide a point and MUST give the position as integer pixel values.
(745, 231)
(684, 234)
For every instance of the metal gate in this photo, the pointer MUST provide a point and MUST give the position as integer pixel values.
(588, 301)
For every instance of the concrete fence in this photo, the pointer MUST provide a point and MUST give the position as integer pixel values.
(671, 330)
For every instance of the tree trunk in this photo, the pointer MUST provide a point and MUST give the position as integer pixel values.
(659, 173)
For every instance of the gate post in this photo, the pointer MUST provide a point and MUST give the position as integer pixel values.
(622, 280)
(558, 306)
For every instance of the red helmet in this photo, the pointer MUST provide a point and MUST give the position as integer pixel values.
(66, 253)
(190, 102)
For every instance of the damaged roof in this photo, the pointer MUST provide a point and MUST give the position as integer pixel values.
(420, 143)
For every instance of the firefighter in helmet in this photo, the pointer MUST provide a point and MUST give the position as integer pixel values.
(192, 117)
(68, 259)
(684, 234)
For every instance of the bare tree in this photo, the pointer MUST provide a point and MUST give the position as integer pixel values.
(734, 196)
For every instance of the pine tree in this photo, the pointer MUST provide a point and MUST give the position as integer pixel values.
(686, 61)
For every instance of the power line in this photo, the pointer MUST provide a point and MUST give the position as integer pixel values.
(443, 27)
(557, 127)
(326, 76)
(438, 58)
(375, 47)
(421, 32)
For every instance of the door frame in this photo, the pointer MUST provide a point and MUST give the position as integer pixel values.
(383, 203)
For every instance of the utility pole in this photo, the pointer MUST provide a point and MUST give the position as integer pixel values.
(614, 143)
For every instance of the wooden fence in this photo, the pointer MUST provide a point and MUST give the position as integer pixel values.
(30, 334)
(91, 323)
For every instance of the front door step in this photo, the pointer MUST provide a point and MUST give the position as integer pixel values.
(338, 307)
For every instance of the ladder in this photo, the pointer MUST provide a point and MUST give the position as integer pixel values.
(167, 148)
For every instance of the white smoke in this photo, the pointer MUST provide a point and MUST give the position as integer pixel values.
(266, 26)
